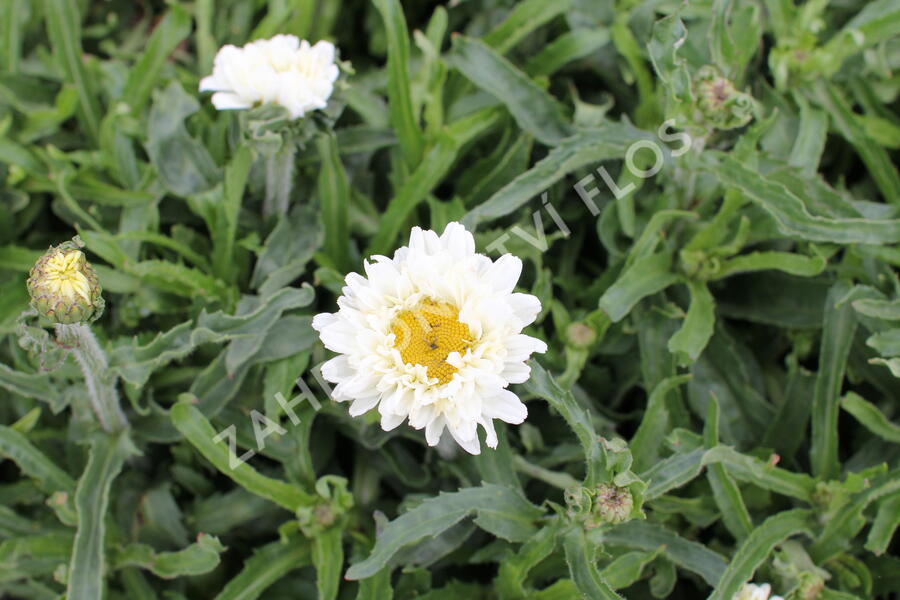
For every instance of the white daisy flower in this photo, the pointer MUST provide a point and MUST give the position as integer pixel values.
(751, 591)
(283, 70)
(433, 335)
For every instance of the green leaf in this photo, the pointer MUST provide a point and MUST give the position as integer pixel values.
(877, 160)
(64, 30)
(328, 558)
(885, 525)
(646, 536)
(198, 431)
(588, 147)
(33, 463)
(791, 216)
(403, 117)
(763, 474)
(86, 569)
(757, 548)
(646, 276)
(542, 384)
(627, 568)
(265, 567)
(490, 503)
(533, 109)
(725, 491)
(838, 330)
(414, 190)
(698, 325)
(524, 18)
(513, 571)
(197, 559)
(870, 417)
(174, 27)
(795, 264)
(654, 424)
(672, 472)
(582, 567)
(183, 163)
(570, 46)
(334, 200)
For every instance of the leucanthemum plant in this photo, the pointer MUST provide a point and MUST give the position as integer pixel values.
(288, 90)
(433, 336)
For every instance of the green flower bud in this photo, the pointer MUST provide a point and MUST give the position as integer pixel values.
(580, 335)
(719, 103)
(64, 288)
(612, 504)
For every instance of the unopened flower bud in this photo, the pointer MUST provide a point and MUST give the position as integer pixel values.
(719, 102)
(612, 504)
(580, 335)
(63, 287)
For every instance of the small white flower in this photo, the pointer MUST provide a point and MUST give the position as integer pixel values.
(283, 70)
(751, 591)
(434, 335)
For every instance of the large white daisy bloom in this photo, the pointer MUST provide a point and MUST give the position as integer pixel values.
(433, 335)
(283, 70)
(751, 591)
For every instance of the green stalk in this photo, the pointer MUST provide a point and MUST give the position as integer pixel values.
(101, 383)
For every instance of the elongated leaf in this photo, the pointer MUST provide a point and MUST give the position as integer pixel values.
(523, 19)
(837, 334)
(673, 472)
(328, 558)
(533, 109)
(752, 470)
(795, 264)
(870, 417)
(334, 199)
(876, 158)
(64, 30)
(791, 216)
(698, 325)
(197, 559)
(583, 569)
(198, 431)
(757, 547)
(435, 515)
(577, 417)
(693, 556)
(403, 118)
(171, 31)
(33, 463)
(589, 147)
(885, 525)
(647, 275)
(86, 569)
(265, 567)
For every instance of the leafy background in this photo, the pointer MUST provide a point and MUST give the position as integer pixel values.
(735, 319)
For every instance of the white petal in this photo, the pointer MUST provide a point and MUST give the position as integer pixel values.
(229, 101)
(505, 406)
(361, 406)
(504, 273)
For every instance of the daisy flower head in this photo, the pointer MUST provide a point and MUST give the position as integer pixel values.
(433, 335)
(282, 70)
(751, 591)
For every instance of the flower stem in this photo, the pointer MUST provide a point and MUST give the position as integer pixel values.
(279, 180)
(101, 383)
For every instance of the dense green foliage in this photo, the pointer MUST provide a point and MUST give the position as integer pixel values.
(724, 337)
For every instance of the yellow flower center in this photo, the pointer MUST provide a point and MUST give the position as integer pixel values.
(427, 334)
(63, 276)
